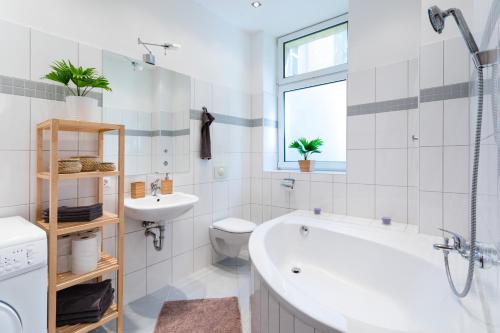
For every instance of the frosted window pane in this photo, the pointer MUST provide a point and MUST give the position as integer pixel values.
(317, 51)
(318, 111)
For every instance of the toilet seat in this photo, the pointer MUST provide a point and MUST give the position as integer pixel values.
(234, 225)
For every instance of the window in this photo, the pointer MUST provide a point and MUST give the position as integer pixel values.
(313, 93)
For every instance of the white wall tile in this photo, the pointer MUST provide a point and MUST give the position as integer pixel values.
(431, 169)
(456, 61)
(456, 121)
(431, 124)
(361, 166)
(361, 132)
(431, 65)
(361, 200)
(183, 265)
(182, 231)
(391, 167)
(14, 177)
(89, 56)
(431, 212)
(201, 230)
(15, 55)
(413, 167)
(220, 196)
(274, 315)
(413, 206)
(159, 276)
(15, 130)
(392, 129)
(202, 95)
(456, 169)
(45, 49)
(413, 128)
(134, 286)
(135, 251)
(205, 203)
(280, 197)
(413, 78)
(456, 213)
(392, 81)
(322, 196)
(299, 196)
(340, 198)
(392, 201)
(202, 257)
(361, 87)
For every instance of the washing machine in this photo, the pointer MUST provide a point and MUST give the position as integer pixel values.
(23, 277)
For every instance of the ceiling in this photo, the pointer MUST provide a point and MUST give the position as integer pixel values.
(275, 17)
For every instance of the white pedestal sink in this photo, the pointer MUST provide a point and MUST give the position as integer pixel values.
(160, 208)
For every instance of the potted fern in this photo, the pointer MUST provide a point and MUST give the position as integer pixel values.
(79, 81)
(306, 149)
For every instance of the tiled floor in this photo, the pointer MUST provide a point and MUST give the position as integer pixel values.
(229, 278)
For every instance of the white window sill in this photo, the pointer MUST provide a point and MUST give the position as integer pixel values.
(319, 176)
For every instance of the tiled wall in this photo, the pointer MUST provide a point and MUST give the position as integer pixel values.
(382, 157)
(26, 55)
(446, 135)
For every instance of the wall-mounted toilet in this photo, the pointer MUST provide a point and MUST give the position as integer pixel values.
(228, 236)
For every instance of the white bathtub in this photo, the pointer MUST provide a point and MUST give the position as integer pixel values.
(356, 276)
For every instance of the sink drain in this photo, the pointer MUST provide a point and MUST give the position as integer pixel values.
(296, 270)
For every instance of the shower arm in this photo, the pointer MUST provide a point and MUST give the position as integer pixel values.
(165, 46)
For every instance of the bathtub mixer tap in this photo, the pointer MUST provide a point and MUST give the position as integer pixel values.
(486, 255)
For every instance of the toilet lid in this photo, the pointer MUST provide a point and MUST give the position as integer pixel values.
(234, 225)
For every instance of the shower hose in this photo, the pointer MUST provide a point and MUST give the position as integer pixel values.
(473, 203)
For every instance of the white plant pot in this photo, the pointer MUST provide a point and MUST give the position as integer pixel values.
(81, 108)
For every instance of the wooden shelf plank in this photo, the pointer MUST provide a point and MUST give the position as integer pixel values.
(64, 228)
(67, 176)
(79, 126)
(111, 314)
(105, 265)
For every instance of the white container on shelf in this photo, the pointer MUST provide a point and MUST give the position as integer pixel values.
(81, 107)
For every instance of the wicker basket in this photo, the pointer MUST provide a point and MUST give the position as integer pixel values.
(70, 166)
(89, 163)
(107, 166)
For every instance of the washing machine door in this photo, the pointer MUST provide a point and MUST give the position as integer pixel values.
(9, 319)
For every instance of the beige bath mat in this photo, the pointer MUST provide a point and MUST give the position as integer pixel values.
(200, 316)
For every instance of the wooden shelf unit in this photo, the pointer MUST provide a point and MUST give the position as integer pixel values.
(107, 263)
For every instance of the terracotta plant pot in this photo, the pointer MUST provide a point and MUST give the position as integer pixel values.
(306, 165)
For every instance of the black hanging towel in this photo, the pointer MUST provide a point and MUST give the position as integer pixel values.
(206, 144)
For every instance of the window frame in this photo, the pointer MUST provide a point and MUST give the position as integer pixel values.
(302, 81)
(339, 20)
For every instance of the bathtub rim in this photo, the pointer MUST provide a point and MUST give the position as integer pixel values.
(318, 315)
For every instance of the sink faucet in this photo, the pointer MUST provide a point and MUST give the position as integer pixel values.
(155, 186)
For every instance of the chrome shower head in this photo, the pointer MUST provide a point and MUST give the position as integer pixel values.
(437, 18)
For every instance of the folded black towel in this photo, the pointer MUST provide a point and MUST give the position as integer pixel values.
(75, 214)
(87, 317)
(82, 298)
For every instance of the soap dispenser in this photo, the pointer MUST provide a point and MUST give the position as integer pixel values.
(167, 185)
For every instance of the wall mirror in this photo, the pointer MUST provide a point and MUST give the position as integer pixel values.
(154, 105)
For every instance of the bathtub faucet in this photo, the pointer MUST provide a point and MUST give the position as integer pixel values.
(485, 255)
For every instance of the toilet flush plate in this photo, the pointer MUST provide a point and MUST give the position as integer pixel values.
(220, 172)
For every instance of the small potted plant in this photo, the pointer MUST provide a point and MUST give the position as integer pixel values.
(306, 149)
(79, 81)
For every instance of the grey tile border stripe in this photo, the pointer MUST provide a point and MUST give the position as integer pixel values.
(239, 121)
(21, 87)
(451, 91)
(386, 106)
(146, 133)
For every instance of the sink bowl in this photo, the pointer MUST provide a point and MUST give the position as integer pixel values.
(160, 208)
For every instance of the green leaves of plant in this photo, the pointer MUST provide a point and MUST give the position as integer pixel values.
(84, 79)
(305, 147)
